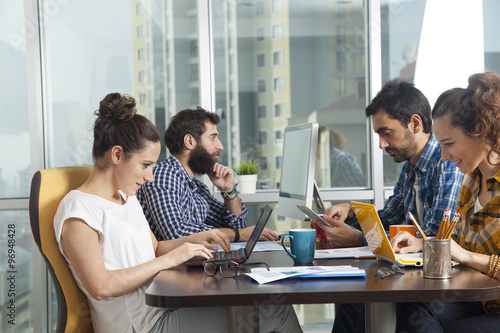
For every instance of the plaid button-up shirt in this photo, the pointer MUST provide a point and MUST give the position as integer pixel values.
(479, 232)
(176, 206)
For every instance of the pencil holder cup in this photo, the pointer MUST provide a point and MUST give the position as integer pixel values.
(302, 245)
(437, 258)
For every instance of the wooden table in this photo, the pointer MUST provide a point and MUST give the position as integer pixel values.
(190, 287)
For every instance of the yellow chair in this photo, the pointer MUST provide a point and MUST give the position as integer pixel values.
(48, 187)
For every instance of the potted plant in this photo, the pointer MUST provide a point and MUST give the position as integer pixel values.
(247, 175)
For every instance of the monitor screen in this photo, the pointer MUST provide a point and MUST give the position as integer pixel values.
(300, 143)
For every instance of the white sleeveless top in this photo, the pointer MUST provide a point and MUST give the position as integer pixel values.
(125, 240)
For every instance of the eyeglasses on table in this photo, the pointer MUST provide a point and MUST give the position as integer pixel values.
(228, 268)
(384, 272)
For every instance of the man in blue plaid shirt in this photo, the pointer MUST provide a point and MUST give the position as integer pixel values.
(177, 204)
(427, 186)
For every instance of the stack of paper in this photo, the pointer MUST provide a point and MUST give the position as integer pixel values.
(262, 275)
(363, 252)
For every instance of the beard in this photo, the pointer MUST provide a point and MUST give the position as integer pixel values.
(406, 151)
(201, 161)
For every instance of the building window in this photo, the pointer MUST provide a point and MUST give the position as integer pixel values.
(139, 9)
(141, 54)
(141, 77)
(262, 138)
(277, 31)
(194, 72)
(261, 111)
(279, 159)
(340, 61)
(260, 34)
(140, 31)
(260, 59)
(142, 99)
(278, 84)
(261, 86)
(279, 110)
(259, 8)
(193, 48)
(263, 163)
(278, 136)
(277, 6)
(278, 58)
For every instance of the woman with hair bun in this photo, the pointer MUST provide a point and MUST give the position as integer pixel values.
(467, 125)
(113, 255)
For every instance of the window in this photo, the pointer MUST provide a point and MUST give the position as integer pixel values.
(278, 58)
(194, 70)
(279, 160)
(261, 111)
(193, 48)
(278, 135)
(260, 34)
(140, 31)
(142, 99)
(139, 9)
(279, 111)
(261, 86)
(260, 60)
(141, 77)
(259, 8)
(278, 85)
(262, 137)
(277, 6)
(141, 54)
(263, 163)
(277, 31)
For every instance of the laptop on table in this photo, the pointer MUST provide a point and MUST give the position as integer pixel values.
(377, 238)
(242, 254)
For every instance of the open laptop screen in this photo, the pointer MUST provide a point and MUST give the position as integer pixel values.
(261, 223)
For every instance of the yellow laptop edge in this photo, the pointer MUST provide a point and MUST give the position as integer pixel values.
(376, 236)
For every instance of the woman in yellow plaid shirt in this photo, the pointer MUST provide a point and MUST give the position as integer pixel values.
(467, 125)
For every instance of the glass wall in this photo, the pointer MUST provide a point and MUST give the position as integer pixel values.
(272, 64)
(16, 277)
(281, 63)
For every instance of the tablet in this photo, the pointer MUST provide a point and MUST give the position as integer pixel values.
(312, 215)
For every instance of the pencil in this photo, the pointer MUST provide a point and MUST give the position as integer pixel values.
(444, 223)
(452, 225)
(424, 236)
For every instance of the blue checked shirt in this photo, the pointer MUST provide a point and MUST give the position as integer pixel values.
(176, 206)
(439, 184)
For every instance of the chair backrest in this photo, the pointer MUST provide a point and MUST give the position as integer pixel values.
(48, 187)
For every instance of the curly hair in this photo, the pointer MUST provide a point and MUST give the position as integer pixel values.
(475, 110)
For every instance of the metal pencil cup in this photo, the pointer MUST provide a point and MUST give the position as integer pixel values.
(437, 258)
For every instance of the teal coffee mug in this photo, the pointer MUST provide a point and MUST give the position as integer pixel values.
(302, 245)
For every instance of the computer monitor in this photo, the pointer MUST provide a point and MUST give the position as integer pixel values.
(297, 184)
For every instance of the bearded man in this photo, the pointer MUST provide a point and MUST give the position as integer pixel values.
(177, 204)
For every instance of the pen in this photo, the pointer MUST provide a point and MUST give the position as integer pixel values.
(412, 218)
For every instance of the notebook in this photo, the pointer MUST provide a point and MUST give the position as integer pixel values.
(377, 238)
(242, 254)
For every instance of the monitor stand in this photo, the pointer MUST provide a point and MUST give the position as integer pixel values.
(317, 199)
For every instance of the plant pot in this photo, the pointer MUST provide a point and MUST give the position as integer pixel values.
(247, 183)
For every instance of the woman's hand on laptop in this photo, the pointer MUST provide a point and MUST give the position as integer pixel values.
(211, 237)
(266, 235)
(404, 242)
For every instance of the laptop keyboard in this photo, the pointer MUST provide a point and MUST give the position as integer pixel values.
(232, 255)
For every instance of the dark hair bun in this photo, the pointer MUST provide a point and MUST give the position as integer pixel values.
(116, 106)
